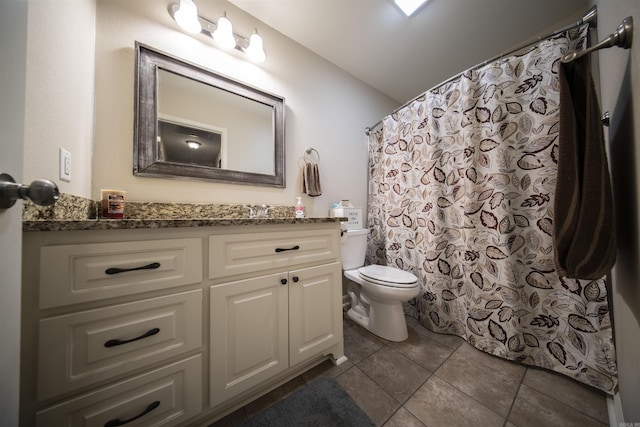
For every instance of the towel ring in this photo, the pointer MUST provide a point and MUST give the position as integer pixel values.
(307, 155)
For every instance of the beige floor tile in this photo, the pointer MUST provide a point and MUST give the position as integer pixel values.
(446, 340)
(359, 343)
(396, 374)
(534, 409)
(427, 352)
(480, 382)
(438, 403)
(403, 418)
(579, 396)
(512, 370)
(369, 396)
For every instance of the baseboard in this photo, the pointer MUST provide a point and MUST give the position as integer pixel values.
(614, 407)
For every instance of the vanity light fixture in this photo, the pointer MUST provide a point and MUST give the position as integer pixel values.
(186, 16)
(194, 145)
(409, 6)
(223, 34)
(255, 50)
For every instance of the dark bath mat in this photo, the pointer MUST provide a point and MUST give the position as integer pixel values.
(323, 403)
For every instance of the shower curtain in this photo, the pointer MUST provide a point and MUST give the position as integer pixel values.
(461, 192)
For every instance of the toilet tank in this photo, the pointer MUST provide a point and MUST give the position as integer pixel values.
(354, 248)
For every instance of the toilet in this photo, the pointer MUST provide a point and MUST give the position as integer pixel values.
(379, 291)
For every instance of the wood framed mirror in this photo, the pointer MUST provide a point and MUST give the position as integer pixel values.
(193, 123)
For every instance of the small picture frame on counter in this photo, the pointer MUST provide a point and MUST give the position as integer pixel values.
(113, 202)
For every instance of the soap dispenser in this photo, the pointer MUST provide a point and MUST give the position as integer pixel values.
(299, 208)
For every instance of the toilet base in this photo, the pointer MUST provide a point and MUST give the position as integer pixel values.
(385, 320)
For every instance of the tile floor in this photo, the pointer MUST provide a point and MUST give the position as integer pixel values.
(440, 380)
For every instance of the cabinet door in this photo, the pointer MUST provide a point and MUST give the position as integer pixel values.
(315, 310)
(249, 334)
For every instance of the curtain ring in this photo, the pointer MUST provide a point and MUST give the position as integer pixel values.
(307, 155)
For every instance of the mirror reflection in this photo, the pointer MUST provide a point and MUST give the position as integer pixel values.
(192, 144)
(205, 114)
(193, 123)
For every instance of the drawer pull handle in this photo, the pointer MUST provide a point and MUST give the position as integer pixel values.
(295, 279)
(295, 248)
(283, 281)
(149, 333)
(115, 270)
(117, 422)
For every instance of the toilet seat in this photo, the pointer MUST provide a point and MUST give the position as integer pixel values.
(388, 276)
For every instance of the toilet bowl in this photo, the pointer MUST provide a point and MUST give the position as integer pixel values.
(377, 292)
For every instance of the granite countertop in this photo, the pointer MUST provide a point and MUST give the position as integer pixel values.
(71, 213)
(122, 224)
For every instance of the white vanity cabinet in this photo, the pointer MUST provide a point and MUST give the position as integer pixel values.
(272, 321)
(144, 326)
(112, 329)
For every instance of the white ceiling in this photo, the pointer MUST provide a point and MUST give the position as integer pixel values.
(403, 57)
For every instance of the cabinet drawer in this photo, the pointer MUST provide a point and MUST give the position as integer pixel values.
(231, 254)
(79, 349)
(167, 396)
(72, 274)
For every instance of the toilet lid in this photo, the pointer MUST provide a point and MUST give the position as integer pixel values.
(388, 276)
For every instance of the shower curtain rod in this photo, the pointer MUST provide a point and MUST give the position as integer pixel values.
(591, 18)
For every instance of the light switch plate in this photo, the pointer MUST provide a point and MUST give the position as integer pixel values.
(65, 165)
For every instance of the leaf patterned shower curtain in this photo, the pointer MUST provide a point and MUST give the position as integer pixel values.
(461, 194)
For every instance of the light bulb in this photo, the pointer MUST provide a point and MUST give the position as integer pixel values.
(194, 145)
(187, 16)
(255, 50)
(223, 35)
(409, 6)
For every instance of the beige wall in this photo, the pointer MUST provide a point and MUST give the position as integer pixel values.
(620, 95)
(59, 91)
(326, 108)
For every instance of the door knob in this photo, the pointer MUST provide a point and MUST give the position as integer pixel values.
(41, 191)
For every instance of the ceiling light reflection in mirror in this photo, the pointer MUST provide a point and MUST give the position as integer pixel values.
(213, 117)
(409, 6)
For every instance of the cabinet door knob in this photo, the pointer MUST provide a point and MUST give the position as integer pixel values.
(283, 281)
(295, 279)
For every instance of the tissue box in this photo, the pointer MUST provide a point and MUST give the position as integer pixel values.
(353, 215)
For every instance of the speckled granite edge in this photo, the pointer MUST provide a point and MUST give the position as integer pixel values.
(155, 210)
(78, 213)
(67, 208)
(124, 224)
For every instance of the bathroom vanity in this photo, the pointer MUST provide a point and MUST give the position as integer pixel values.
(175, 322)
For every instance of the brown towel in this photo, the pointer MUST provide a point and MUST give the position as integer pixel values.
(584, 229)
(311, 179)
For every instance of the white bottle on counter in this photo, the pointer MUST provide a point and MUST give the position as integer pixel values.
(299, 209)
